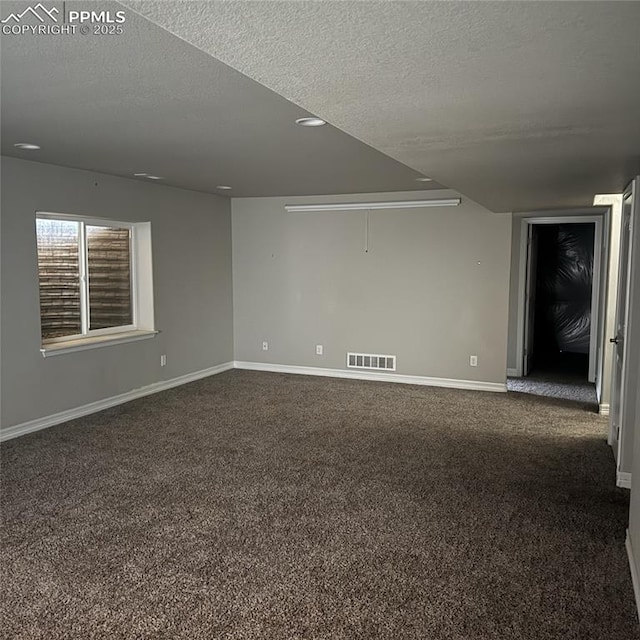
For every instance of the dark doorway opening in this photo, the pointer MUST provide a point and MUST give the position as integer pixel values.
(564, 283)
(560, 341)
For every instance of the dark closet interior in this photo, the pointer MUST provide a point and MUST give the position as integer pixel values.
(564, 279)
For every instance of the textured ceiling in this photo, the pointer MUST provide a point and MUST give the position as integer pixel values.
(518, 105)
(146, 101)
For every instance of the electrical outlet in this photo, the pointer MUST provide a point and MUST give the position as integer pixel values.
(163, 360)
(265, 346)
(319, 349)
(473, 361)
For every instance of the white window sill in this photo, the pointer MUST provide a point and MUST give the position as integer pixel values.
(94, 342)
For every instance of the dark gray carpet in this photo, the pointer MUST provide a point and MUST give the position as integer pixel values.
(255, 505)
(567, 386)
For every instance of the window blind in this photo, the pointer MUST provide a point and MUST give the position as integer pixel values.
(109, 272)
(59, 274)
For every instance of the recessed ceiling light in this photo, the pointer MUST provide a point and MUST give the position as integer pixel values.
(224, 187)
(424, 179)
(155, 177)
(26, 145)
(310, 122)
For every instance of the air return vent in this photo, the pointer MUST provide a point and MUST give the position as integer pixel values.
(371, 361)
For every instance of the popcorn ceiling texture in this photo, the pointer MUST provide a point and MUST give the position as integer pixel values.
(520, 106)
(264, 506)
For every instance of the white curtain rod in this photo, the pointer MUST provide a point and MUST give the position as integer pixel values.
(359, 206)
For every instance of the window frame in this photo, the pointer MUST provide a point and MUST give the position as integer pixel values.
(83, 258)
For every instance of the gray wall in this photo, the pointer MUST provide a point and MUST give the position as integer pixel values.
(191, 243)
(634, 506)
(433, 288)
(632, 442)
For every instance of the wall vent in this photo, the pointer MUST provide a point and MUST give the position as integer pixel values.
(371, 361)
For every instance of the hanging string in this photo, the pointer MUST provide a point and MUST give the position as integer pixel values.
(366, 232)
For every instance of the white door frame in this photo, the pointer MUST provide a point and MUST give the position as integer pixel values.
(632, 192)
(596, 295)
(531, 265)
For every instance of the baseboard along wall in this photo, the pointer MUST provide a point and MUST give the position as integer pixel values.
(449, 383)
(604, 409)
(635, 577)
(93, 407)
(623, 480)
(100, 405)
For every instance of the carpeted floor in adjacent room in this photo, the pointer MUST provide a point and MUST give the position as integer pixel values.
(255, 505)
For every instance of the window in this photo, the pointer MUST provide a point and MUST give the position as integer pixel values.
(87, 273)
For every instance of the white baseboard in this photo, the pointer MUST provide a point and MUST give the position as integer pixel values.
(623, 479)
(373, 375)
(635, 577)
(604, 409)
(93, 407)
(512, 373)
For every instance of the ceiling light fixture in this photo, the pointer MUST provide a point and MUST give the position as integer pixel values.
(224, 187)
(424, 179)
(360, 206)
(311, 122)
(148, 175)
(26, 145)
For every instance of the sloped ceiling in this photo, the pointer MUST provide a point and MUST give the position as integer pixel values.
(518, 105)
(146, 101)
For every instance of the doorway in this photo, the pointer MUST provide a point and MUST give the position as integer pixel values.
(559, 309)
(561, 313)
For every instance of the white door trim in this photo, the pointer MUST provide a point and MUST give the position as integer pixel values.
(596, 296)
(635, 578)
(630, 191)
